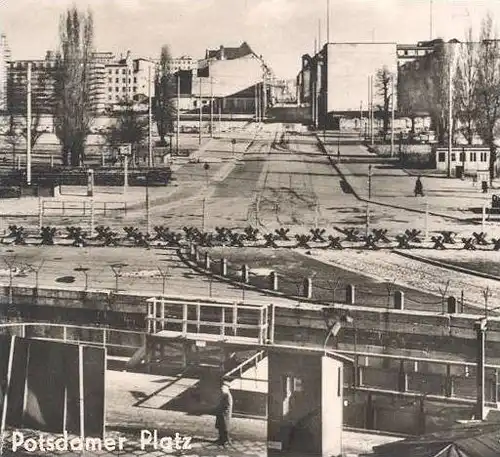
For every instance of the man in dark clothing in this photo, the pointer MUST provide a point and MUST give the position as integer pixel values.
(223, 414)
(419, 188)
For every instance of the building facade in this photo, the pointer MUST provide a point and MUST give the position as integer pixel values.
(4, 65)
(339, 82)
(128, 80)
(183, 63)
(238, 78)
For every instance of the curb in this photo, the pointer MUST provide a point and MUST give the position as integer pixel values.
(387, 205)
(194, 266)
(447, 266)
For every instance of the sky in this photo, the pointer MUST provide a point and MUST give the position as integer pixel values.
(279, 30)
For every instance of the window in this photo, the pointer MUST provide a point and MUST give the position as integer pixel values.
(110, 97)
(110, 71)
(117, 89)
(110, 89)
(117, 80)
(117, 71)
(135, 80)
(453, 157)
(473, 157)
(462, 157)
(110, 80)
(135, 89)
(123, 71)
(123, 80)
(123, 89)
(484, 156)
(441, 157)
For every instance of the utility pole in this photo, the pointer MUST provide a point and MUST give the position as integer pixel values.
(201, 114)
(369, 182)
(148, 219)
(372, 112)
(430, 20)
(150, 122)
(450, 118)
(328, 21)
(178, 111)
(264, 94)
(28, 127)
(361, 118)
(211, 106)
(392, 116)
(219, 104)
(255, 103)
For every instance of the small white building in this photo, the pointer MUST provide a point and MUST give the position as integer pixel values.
(463, 160)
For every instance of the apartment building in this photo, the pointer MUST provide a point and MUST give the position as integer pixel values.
(4, 60)
(128, 80)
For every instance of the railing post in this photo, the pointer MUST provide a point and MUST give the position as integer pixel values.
(244, 274)
(184, 318)
(273, 281)
(223, 267)
(162, 315)
(450, 384)
(403, 377)
(223, 321)
(350, 294)
(494, 386)
(271, 324)
(207, 261)
(235, 318)
(104, 337)
(155, 303)
(65, 333)
(198, 317)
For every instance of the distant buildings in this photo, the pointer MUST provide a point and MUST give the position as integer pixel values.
(183, 63)
(335, 83)
(237, 77)
(128, 80)
(4, 59)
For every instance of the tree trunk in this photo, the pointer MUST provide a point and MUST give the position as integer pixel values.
(493, 159)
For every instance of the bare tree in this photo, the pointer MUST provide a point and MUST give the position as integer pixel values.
(164, 109)
(488, 87)
(383, 84)
(465, 85)
(74, 113)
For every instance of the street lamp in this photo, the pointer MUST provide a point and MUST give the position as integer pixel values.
(84, 270)
(369, 182)
(117, 268)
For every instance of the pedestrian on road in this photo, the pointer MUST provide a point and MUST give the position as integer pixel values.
(223, 414)
(419, 188)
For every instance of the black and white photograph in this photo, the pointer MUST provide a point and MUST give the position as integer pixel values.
(250, 228)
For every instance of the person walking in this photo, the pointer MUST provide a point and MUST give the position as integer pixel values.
(223, 414)
(419, 188)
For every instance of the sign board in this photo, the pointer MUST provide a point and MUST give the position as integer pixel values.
(125, 149)
(276, 445)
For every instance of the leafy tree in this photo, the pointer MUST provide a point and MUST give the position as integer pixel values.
(73, 113)
(131, 127)
(164, 108)
(488, 87)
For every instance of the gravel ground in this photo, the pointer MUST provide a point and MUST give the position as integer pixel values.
(416, 275)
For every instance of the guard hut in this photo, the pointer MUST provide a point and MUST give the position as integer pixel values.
(305, 402)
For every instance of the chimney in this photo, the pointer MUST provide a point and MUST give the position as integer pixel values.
(221, 53)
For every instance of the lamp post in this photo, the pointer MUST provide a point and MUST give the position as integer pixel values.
(369, 182)
(84, 270)
(117, 268)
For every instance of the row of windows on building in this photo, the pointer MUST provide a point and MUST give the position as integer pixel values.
(462, 157)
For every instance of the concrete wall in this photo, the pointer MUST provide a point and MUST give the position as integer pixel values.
(349, 66)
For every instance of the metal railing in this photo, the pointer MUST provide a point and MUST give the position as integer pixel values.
(80, 208)
(195, 318)
(71, 333)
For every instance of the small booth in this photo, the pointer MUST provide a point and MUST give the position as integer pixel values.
(305, 402)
